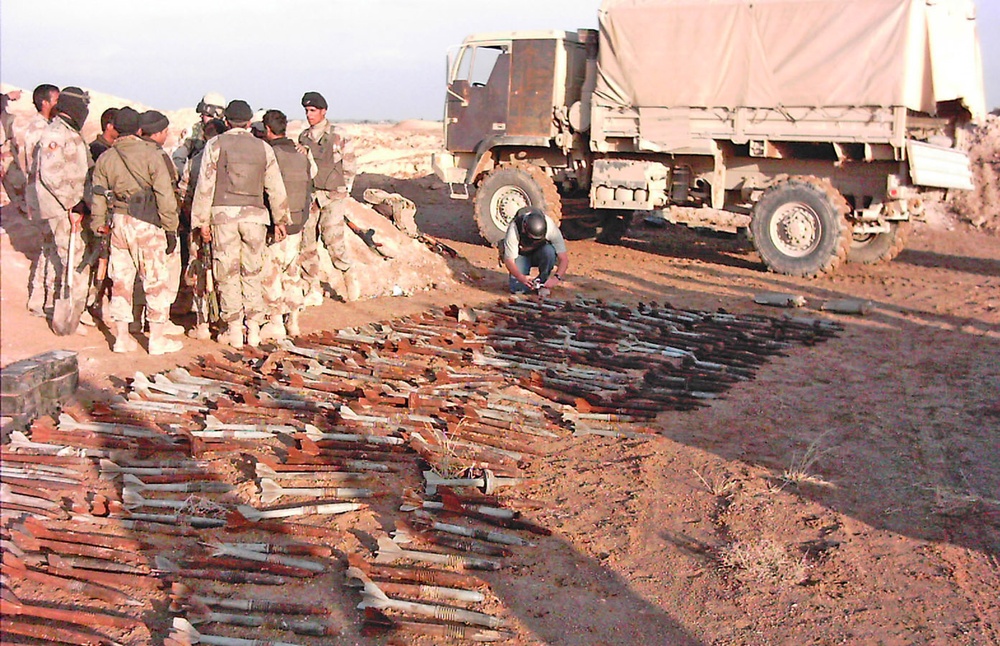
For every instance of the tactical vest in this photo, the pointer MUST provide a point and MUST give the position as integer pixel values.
(240, 178)
(329, 155)
(294, 168)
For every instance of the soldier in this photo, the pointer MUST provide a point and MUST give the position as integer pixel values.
(132, 184)
(199, 261)
(334, 155)
(237, 171)
(63, 162)
(22, 193)
(108, 134)
(284, 285)
(210, 107)
(153, 129)
(7, 150)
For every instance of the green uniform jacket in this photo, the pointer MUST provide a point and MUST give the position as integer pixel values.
(147, 161)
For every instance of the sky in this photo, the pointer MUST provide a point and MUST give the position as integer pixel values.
(372, 59)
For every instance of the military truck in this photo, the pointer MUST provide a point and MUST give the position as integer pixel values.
(820, 123)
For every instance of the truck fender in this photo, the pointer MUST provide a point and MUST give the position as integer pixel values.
(484, 149)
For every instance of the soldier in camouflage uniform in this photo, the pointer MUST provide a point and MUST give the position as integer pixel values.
(153, 129)
(8, 149)
(199, 260)
(193, 139)
(237, 171)
(284, 285)
(63, 162)
(142, 239)
(24, 197)
(334, 155)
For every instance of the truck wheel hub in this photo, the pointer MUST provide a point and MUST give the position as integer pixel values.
(795, 229)
(505, 204)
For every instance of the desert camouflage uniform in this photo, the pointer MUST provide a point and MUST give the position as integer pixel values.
(284, 285)
(238, 232)
(137, 247)
(21, 184)
(63, 161)
(173, 259)
(6, 161)
(334, 155)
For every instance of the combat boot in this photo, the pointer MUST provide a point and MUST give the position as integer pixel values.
(273, 329)
(200, 331)
(172, 329)
(124, 342)
(292, 327)
(253, 334)
(234, 334)
(159, 343)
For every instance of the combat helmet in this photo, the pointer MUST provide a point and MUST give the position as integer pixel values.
(212, 105)
(532, 222)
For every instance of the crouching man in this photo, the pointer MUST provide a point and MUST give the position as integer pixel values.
(132, 183)
(534, 240)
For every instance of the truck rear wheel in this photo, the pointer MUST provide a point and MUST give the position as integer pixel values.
(873, 248)
(505, 190)
(799, 228)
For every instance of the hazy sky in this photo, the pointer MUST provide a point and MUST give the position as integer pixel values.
(372, 59)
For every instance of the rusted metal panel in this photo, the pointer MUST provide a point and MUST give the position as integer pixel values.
(484, 113)
(532, 88)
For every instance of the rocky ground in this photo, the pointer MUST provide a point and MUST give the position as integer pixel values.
(849, 493)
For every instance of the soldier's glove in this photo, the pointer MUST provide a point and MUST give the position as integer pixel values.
(171, 242)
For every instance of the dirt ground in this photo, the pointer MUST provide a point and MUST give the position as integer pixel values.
(849, 493)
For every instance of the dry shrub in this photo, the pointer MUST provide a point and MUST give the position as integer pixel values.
(762, 561)
(799, 471)
(723, 486)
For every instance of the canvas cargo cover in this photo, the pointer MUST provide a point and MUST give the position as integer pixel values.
(789, 53)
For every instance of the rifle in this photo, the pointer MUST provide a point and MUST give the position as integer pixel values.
(212, 298)
(369, 238)
(98, 257)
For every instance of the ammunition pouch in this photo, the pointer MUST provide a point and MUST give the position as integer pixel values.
(142, 206)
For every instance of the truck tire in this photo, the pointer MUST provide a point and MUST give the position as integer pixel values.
(874, 248)
(799, 228)
(505, 190)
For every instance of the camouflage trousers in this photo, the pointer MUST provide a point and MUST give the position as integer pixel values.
(42, 274)
(326, 222)
(238, 263)
(56, 250)
(283, 283)
(140, 248)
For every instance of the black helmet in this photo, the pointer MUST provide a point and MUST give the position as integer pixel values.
(532, 222)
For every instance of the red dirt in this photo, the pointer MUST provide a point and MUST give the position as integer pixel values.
(890, 535)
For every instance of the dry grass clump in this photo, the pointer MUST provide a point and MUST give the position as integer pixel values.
(762, 561)
(800, 470)
(723, 486)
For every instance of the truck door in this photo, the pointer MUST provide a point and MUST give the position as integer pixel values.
(476, 106)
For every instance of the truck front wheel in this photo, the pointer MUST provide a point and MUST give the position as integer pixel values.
(799, 228)
(873, 248)
(505, 190)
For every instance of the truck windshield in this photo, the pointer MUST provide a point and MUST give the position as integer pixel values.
(476, 63)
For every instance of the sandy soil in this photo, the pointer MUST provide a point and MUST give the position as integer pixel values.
(849, 493)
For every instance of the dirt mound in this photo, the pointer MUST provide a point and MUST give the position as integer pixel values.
(981, 207)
